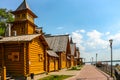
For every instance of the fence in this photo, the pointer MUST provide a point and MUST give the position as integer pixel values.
(117, 74)
(107, 69)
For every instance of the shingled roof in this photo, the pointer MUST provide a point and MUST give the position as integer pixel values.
(52, 53)
(19, 38)
(72, 46)
(24, 38)
(58, 43)
(23, 6)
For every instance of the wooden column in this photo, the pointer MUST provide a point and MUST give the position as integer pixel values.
(54, 64)
(24, 61)
(4, 73)
(3, 64)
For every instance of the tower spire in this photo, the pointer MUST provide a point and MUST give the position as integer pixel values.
(23, 6)
(71, 41)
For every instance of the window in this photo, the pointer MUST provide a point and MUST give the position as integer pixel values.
(22, 30)
(18, 16)
(23, 15)
(40, 57)
(14, 56)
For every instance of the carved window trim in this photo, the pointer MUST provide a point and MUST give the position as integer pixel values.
(40, 57)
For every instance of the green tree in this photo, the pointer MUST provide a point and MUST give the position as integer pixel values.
(5, 16)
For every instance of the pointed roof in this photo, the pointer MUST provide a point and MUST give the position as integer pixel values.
(23, 6)
(71, 41)
(58, 43)
(73, 47)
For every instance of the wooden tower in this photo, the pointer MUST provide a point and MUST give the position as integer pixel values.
(24, 20)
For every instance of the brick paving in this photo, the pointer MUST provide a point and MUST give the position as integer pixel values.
(90, 72)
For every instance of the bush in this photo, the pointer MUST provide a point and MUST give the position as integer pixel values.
(74, 68)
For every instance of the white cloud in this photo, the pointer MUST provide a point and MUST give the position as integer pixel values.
(94, 34)
(82, 31)
(59, 28)
(93, 42)
(107, 33)
(77, 38)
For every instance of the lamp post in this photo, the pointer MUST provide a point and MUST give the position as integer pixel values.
(111, 55)
(92, 60)
(96, 59)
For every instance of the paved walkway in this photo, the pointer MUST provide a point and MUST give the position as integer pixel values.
(90, 72)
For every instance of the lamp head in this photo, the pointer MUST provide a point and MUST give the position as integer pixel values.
(111, 40)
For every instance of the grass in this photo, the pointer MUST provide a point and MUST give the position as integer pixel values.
(78, 67)
(55, 77)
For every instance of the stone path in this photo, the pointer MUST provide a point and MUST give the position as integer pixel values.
(90, 72)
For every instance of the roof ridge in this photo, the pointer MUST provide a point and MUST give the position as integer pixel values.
(56, 35)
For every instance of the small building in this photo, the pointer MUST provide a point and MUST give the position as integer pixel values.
(73, 52)
(23, 52)
(79, 59)
(60, 44)
(23, 55)
(52, 61)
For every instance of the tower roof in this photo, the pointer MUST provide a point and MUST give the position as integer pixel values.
(23, 6)
(71, 41)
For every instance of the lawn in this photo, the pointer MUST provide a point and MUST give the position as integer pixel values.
(55, 77)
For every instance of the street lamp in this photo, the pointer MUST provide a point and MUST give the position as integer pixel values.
(92, 60)
(111, 55)
(96, 59)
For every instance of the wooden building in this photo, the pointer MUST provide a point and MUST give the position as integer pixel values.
(23, 55)
(60, 44)
(73, 52)
(23, 52)
(52, 61)
(79, 60)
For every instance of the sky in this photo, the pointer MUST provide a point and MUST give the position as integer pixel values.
(91, 23)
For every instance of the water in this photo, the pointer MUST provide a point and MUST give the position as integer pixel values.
(114, 63)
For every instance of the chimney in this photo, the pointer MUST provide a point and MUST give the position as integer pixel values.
(14, 33)
(9, 30)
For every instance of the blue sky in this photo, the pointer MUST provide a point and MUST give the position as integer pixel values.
(91, 23)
